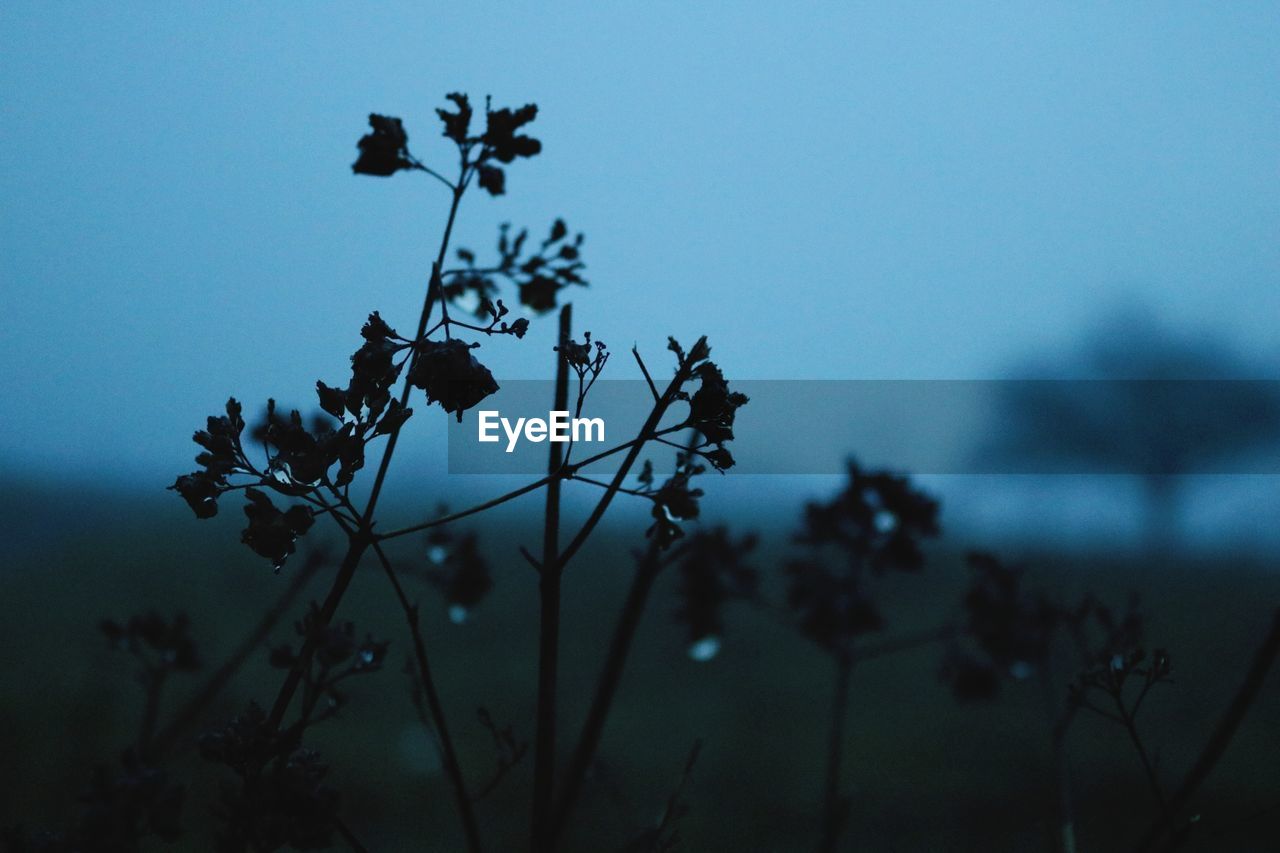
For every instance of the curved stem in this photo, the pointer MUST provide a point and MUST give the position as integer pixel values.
(566, 472)
(363, 537)
(196, 706)
(1222, 735)
(346, 570)
(448, 756)
(1149, 770)
(628, 622)
(349, 836)
(433, 173)
(610, 676)
(435, 289)
(647, 433)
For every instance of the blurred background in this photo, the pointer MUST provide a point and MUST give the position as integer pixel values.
(828, 191)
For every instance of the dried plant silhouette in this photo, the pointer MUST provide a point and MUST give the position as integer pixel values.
(293, 475)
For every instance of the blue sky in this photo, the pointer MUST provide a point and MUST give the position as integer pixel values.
(827, 190)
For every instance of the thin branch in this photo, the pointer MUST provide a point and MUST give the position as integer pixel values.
(439, 177)
(435, 290)
(504, 769)
(533, 561)
(1222, 735)
(448, 756)
(481, 507)
(647, 571)
(346, 571)
(358, 543)
(647, 432)
(647, 378)
(348, 836)
(1153, 781)
(589, 740)
(195, 707)
(603, 485)
(675, 808)
(565, 473)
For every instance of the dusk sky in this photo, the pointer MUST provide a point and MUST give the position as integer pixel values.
(863, 190)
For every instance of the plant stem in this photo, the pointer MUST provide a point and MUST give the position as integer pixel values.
(647, 433)
(585, 751)
(1221, 737)
(832, 804)
(448, 756)
(549, 617)
(653, 389)
(196, 706)
(346, 570)
(435, 288)
(358, 543)
(362, 538)
(1153, 781)
(349, 836)
(565, 473)
(633, 609)
(481, 507)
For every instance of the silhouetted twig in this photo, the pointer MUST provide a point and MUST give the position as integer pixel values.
(1219, 740)
(358, 544)
(647, 433)
(589, 740)
(346, 571)
(653, 389)
(510, 752)
(664, 837)
(348, 835)
(566, 472)
(314, 467)
(1128, 718)
(192, 710)
(448, 755)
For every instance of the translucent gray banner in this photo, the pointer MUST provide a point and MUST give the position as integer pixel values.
(1144, 427)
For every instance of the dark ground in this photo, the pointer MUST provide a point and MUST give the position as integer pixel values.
(923, 772)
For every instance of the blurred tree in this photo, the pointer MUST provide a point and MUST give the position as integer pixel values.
(1139, 397)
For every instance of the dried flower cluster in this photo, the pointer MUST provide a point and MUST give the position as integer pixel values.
(875, 525)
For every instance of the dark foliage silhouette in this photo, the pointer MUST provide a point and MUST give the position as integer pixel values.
(302, 480)
(874, 526)
(279, 792)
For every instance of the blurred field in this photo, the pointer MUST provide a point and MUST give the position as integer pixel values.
(924, 773)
